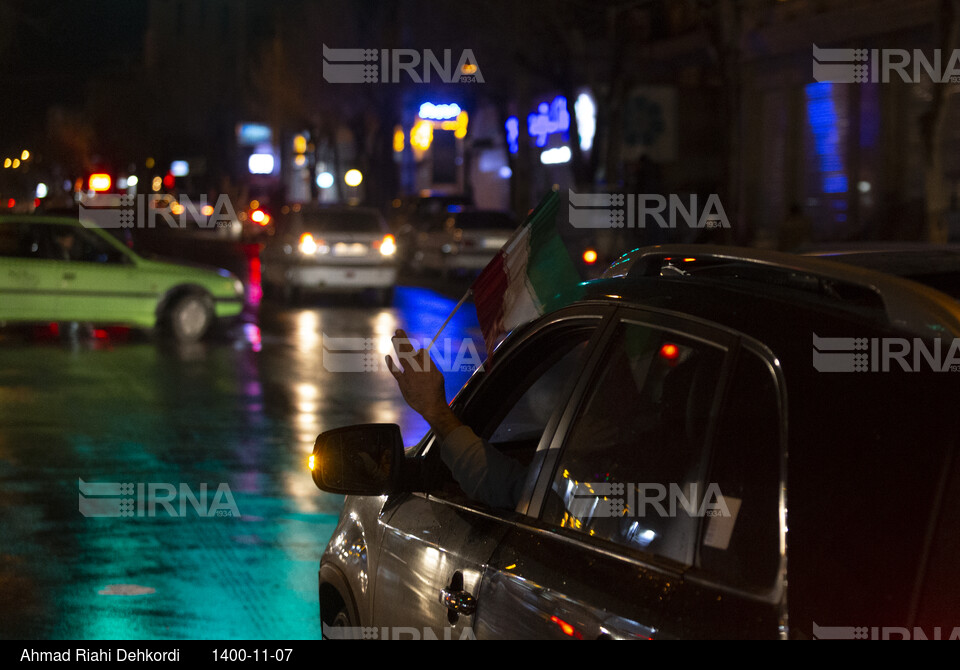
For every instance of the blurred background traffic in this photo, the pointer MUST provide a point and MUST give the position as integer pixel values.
(483, 106)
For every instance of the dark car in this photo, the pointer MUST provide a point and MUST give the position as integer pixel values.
(412, 215)
(718, 443)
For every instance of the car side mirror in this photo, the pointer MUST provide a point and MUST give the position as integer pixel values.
(359, 460)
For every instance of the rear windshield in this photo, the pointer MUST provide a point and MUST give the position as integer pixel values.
(478, 220)
(334, 221)
(441, 205)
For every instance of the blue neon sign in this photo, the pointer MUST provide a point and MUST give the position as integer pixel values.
(549, 119)
(513, 134)
(828, 142)
(444, 112)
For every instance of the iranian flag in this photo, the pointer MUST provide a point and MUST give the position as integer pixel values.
(531, 275)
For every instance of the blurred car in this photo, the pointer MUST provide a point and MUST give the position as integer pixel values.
(462, 242)
(934, 265)
(410, 216)
(331, 250)
(57, 269)
(684, 370)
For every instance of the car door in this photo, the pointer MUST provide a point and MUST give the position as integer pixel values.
(99, 282)
(438, 543)
(613, 523)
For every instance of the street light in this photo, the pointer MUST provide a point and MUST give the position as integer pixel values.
(353, 177)
(324, 180)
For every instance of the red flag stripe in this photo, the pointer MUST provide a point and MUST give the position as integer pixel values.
(488, 291)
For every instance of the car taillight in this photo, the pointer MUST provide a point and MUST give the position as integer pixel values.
(310, 245)
(100, 182)
(387, 247)
(260, 217)
(307, 244)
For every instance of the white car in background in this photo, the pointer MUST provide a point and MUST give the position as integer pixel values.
(331, 250)
(462, 242)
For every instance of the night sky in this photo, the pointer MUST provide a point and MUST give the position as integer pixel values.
(51, 49)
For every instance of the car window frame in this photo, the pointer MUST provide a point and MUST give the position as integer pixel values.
(105, 238)
(776, 593)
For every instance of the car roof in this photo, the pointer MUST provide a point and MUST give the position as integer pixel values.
(335, 209)
(701, 277)
(332, 211)
(912, 259)
(46, 219)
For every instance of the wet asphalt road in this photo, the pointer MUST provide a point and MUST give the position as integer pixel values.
(241, 410)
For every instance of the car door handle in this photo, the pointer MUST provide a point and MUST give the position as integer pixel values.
(459, 602)
(457, 599)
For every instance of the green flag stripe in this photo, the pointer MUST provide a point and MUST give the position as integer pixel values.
(552, 274)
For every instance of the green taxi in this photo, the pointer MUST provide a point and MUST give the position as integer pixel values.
(57, 269)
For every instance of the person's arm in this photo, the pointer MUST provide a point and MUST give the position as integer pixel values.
(483, 473)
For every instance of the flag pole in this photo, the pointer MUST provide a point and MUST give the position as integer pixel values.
(450, 316)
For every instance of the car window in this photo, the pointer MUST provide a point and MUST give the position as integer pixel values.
(742, 547)
(527, 419)
(333, 221)
(70, 243)
(631, 467)
(17, 240)
(512, 408)
(484, 220)
(441, 205)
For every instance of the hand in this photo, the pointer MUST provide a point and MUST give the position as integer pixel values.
(421, 385)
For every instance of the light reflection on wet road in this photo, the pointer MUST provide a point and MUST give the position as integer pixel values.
(240, 410)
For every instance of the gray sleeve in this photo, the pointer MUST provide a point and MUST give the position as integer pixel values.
(483, 473)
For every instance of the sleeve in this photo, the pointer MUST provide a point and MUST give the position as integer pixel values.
(483, 473)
